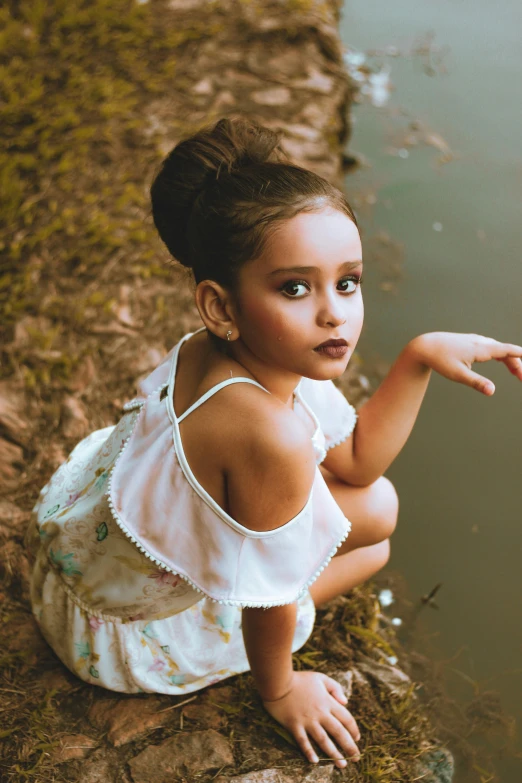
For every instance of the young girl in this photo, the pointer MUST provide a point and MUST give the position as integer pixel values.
(192, 540)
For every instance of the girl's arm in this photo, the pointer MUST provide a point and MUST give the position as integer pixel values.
(268, 636)
(309, 704)
(385, 422)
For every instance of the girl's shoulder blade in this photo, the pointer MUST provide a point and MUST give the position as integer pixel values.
(271, 469)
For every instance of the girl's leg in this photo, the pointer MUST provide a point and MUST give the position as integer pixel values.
(349, 570)
(373, 513)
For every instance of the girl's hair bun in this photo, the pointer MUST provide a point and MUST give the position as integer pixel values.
(221, 193)
(245, 142)
(199, 161)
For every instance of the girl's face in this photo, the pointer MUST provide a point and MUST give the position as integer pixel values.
(303, 291)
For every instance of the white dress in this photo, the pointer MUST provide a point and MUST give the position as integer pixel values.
(139, 577)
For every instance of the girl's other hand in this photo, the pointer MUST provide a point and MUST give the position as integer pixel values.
(314, 709)
(453, 354)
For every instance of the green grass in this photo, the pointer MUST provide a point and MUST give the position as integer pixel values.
(76, 80)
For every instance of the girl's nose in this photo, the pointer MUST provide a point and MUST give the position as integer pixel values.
(332, 314)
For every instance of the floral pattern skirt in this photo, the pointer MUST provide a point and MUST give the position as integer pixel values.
(178, 654)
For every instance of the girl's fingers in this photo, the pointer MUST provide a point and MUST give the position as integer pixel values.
(512, 350)
(484, 385)
(320, 736)
(476, 381)
(335, 690)
(505, 349)
(492, 349)
(348, 721)
(305, 745)
(514, 365)
(342, 737)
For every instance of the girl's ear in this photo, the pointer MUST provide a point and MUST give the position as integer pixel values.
(214, 303)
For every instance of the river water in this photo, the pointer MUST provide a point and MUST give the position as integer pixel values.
(442, 225)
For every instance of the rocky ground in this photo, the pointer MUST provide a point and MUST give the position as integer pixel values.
(94, 94)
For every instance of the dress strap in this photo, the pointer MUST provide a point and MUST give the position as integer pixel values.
(216, 388)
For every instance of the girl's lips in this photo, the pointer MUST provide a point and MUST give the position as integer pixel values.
(335, 349)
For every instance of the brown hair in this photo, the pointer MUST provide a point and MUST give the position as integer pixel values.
(221, 193)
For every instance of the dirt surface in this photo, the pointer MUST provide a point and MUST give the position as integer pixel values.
(94, 94)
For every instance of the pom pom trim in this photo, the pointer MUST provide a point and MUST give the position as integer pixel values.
(330, 444)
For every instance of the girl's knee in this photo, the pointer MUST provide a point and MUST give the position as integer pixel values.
(377, 556)
(383, 553)
(383, 508)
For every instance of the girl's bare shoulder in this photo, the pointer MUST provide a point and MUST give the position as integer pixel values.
(268, 459)
(255, 417)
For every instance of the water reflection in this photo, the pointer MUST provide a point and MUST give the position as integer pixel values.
(438, 198)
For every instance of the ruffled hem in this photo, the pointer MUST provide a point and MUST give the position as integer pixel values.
(327, 560)
(106, 618)
(331, 443)
(338, 441)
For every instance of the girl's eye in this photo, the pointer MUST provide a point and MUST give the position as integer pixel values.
(295, 289)
(349, 284)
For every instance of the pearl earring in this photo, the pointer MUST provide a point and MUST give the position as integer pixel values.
(229, 334)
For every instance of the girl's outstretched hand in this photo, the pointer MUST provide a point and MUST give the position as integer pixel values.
(314, 709)
(453, 354)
